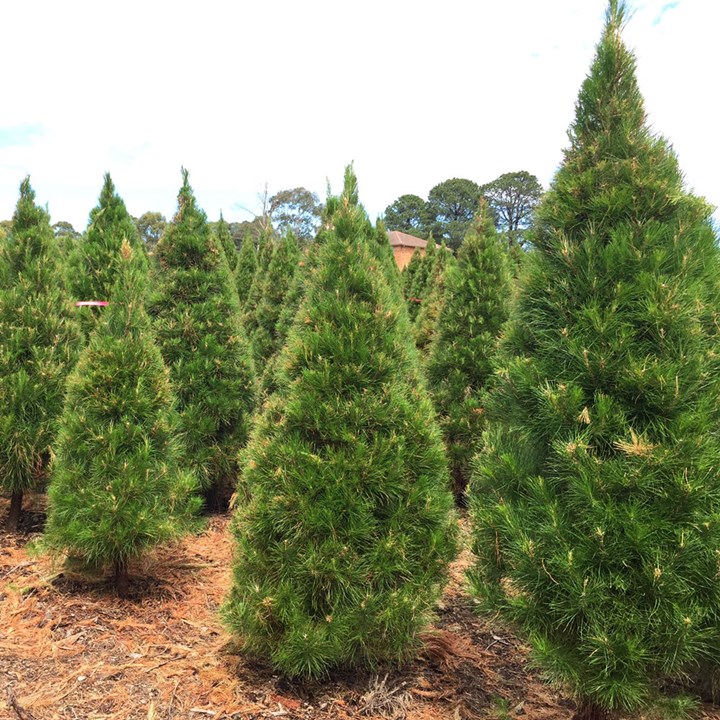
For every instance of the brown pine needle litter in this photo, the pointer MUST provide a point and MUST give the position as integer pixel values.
(71, 650)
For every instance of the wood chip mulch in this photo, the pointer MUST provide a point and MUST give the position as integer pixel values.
(71, 650)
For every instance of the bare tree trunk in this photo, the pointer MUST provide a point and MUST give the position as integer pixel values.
(588, 710)
(120, 578)
(13, 518)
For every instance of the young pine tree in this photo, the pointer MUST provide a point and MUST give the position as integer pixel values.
(261, 326)
(39, 340)
(474, 309)
(245, 269)
(196, 314)
(117, 488)
(596, 498)
(224, 237)
(343, 547)
(428, 317)
(95, 261)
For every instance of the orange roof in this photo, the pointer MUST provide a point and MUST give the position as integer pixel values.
(401, 239)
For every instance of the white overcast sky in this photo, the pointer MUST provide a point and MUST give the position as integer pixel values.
(287, 92)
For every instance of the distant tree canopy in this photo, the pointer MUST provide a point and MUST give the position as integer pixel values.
(298, 210)
(409, 214)
(513, 198)
(64, 229)
(151, 226)
(451, 206)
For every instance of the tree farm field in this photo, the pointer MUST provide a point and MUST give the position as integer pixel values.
(70, 648)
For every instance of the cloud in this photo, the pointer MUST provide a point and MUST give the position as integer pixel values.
(667, 6)
(20, 135)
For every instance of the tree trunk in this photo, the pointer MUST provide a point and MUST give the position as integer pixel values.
(120, 579)
(13, 518)
(588, 710)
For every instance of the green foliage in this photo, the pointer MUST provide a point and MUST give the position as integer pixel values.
(409, 214)
(39, 343)
(297, 211)
(343, 547)
(151, 226)
(266, 248)
(451, 207)
(245, 269)
(422, 278)
(117, 487)
(222, 231)
(196, 313)
(596, 498)
(94, 263)
(429, 314)
(261, 326)
(474, 308)
(513, 198)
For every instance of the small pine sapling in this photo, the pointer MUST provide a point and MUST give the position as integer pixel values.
(117, 488)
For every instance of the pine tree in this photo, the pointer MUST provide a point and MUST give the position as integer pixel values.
(39, 344)
(428, 317)
(343, 547)
(596, 498)
(474, 309)
(225, 239)
(196, 314)
(117, 488)
(422, 279)
(245, 269)
(95, 259)
(261, 326)
(266, 248)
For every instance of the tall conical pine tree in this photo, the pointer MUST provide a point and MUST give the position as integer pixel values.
(40, 341)
(344, 545)
(596, 498)
(196, 315)
(117, 487)
(460, 358)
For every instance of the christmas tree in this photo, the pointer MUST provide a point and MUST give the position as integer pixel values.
(343, 547)
(460, 359)
(40, 340)
(261, 326)
(95, 260)
(225, 239)
(596, 498)
(196, 314)
(116, 487)
(245, 268)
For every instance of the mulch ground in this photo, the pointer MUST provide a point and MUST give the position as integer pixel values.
(71, 650)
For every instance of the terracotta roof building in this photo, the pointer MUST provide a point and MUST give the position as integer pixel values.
(404, 246)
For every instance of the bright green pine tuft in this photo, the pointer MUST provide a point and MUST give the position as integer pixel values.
(344, 545)
(38, 346)
(117, 488)
(474, 309)
(95, 260)
(596, 499)
(196, 314)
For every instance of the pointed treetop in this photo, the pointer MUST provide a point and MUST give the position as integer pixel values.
(108, 189)
(27, 214)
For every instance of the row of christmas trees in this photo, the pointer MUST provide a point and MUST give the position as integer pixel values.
(589, 431)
